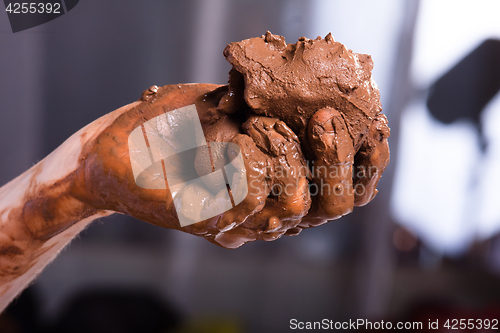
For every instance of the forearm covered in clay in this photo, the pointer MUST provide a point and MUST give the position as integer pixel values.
(40, 214)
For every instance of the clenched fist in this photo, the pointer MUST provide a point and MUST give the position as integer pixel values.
(306, 119)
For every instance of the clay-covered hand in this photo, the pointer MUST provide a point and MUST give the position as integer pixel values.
(305, 118)
(270, 151)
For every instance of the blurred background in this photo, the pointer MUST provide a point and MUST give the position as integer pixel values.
(426, 247)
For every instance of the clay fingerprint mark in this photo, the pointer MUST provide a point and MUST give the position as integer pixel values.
(10, 251)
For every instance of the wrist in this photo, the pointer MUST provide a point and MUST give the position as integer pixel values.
(51, 207)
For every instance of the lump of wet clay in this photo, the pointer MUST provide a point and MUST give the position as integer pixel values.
(293, 81)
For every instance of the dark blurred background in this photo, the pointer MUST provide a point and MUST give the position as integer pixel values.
(426, 247)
